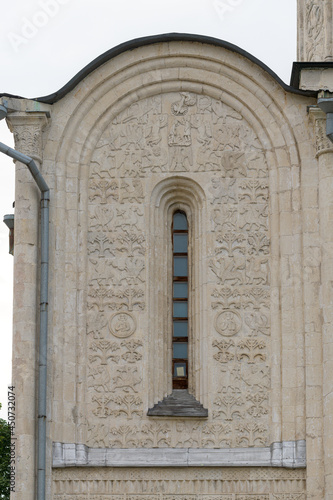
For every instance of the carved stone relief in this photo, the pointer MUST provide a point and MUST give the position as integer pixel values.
(181, 132)
(122, 325)
(241, 299)
(323, 144)
(314, 29)
(240, 428)
(228, 323)
(170, 134)
(179, 484)
(143, 496)
(28, 140)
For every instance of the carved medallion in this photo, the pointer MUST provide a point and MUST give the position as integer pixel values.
(179, 132)
(122, 325)
(228, 323)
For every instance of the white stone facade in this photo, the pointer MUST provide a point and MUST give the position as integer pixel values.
(315, 30)
(192, 126)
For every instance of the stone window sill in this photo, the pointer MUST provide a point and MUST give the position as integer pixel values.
(178, 404)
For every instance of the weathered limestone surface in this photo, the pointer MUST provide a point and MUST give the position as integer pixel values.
(193, 127)
(171, 483)
(28, 140)
(288, 454)
(325, 159)
(317, 79)
(315, 30)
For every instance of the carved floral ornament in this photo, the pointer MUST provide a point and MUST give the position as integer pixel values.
(27, 130)
(194, 496)
(196, 483)
(314, 30)
(323, 144)
(29, 139)
(276, 476)
(296, 496)
(171, 134)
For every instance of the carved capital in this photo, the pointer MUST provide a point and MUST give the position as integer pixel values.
(27, 130)
(323, 144)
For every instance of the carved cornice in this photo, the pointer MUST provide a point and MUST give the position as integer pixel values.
(27, 129)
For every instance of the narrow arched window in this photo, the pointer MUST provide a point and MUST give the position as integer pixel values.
(178, 364)
(180, 322)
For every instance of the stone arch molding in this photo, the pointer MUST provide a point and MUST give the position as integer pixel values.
(169, 195)
(174, 67)
(172, 70)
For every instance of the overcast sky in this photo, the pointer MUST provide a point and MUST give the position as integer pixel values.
(44, 43)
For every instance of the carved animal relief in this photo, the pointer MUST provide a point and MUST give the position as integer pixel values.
(241, 298)
(164, 136)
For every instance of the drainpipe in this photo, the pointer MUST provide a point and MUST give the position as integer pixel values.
(44, 269)
(326, 105)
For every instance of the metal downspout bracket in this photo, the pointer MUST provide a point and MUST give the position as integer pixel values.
(325, 103)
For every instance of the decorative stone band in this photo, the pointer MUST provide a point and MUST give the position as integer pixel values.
(289, 454)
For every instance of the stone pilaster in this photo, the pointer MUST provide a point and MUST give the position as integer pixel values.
(315, 31)
(325, 164)
(27, 130)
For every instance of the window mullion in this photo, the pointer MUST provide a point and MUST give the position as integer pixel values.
(180, 301)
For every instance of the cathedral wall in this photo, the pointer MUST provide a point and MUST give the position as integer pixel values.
(200, 129)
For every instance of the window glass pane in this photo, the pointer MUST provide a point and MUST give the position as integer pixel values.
(179, 370)
(180, 266)
(180, 290)
(180, 309)
(180, 243)
(179, 221)
(180, 328)
(180, 350)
